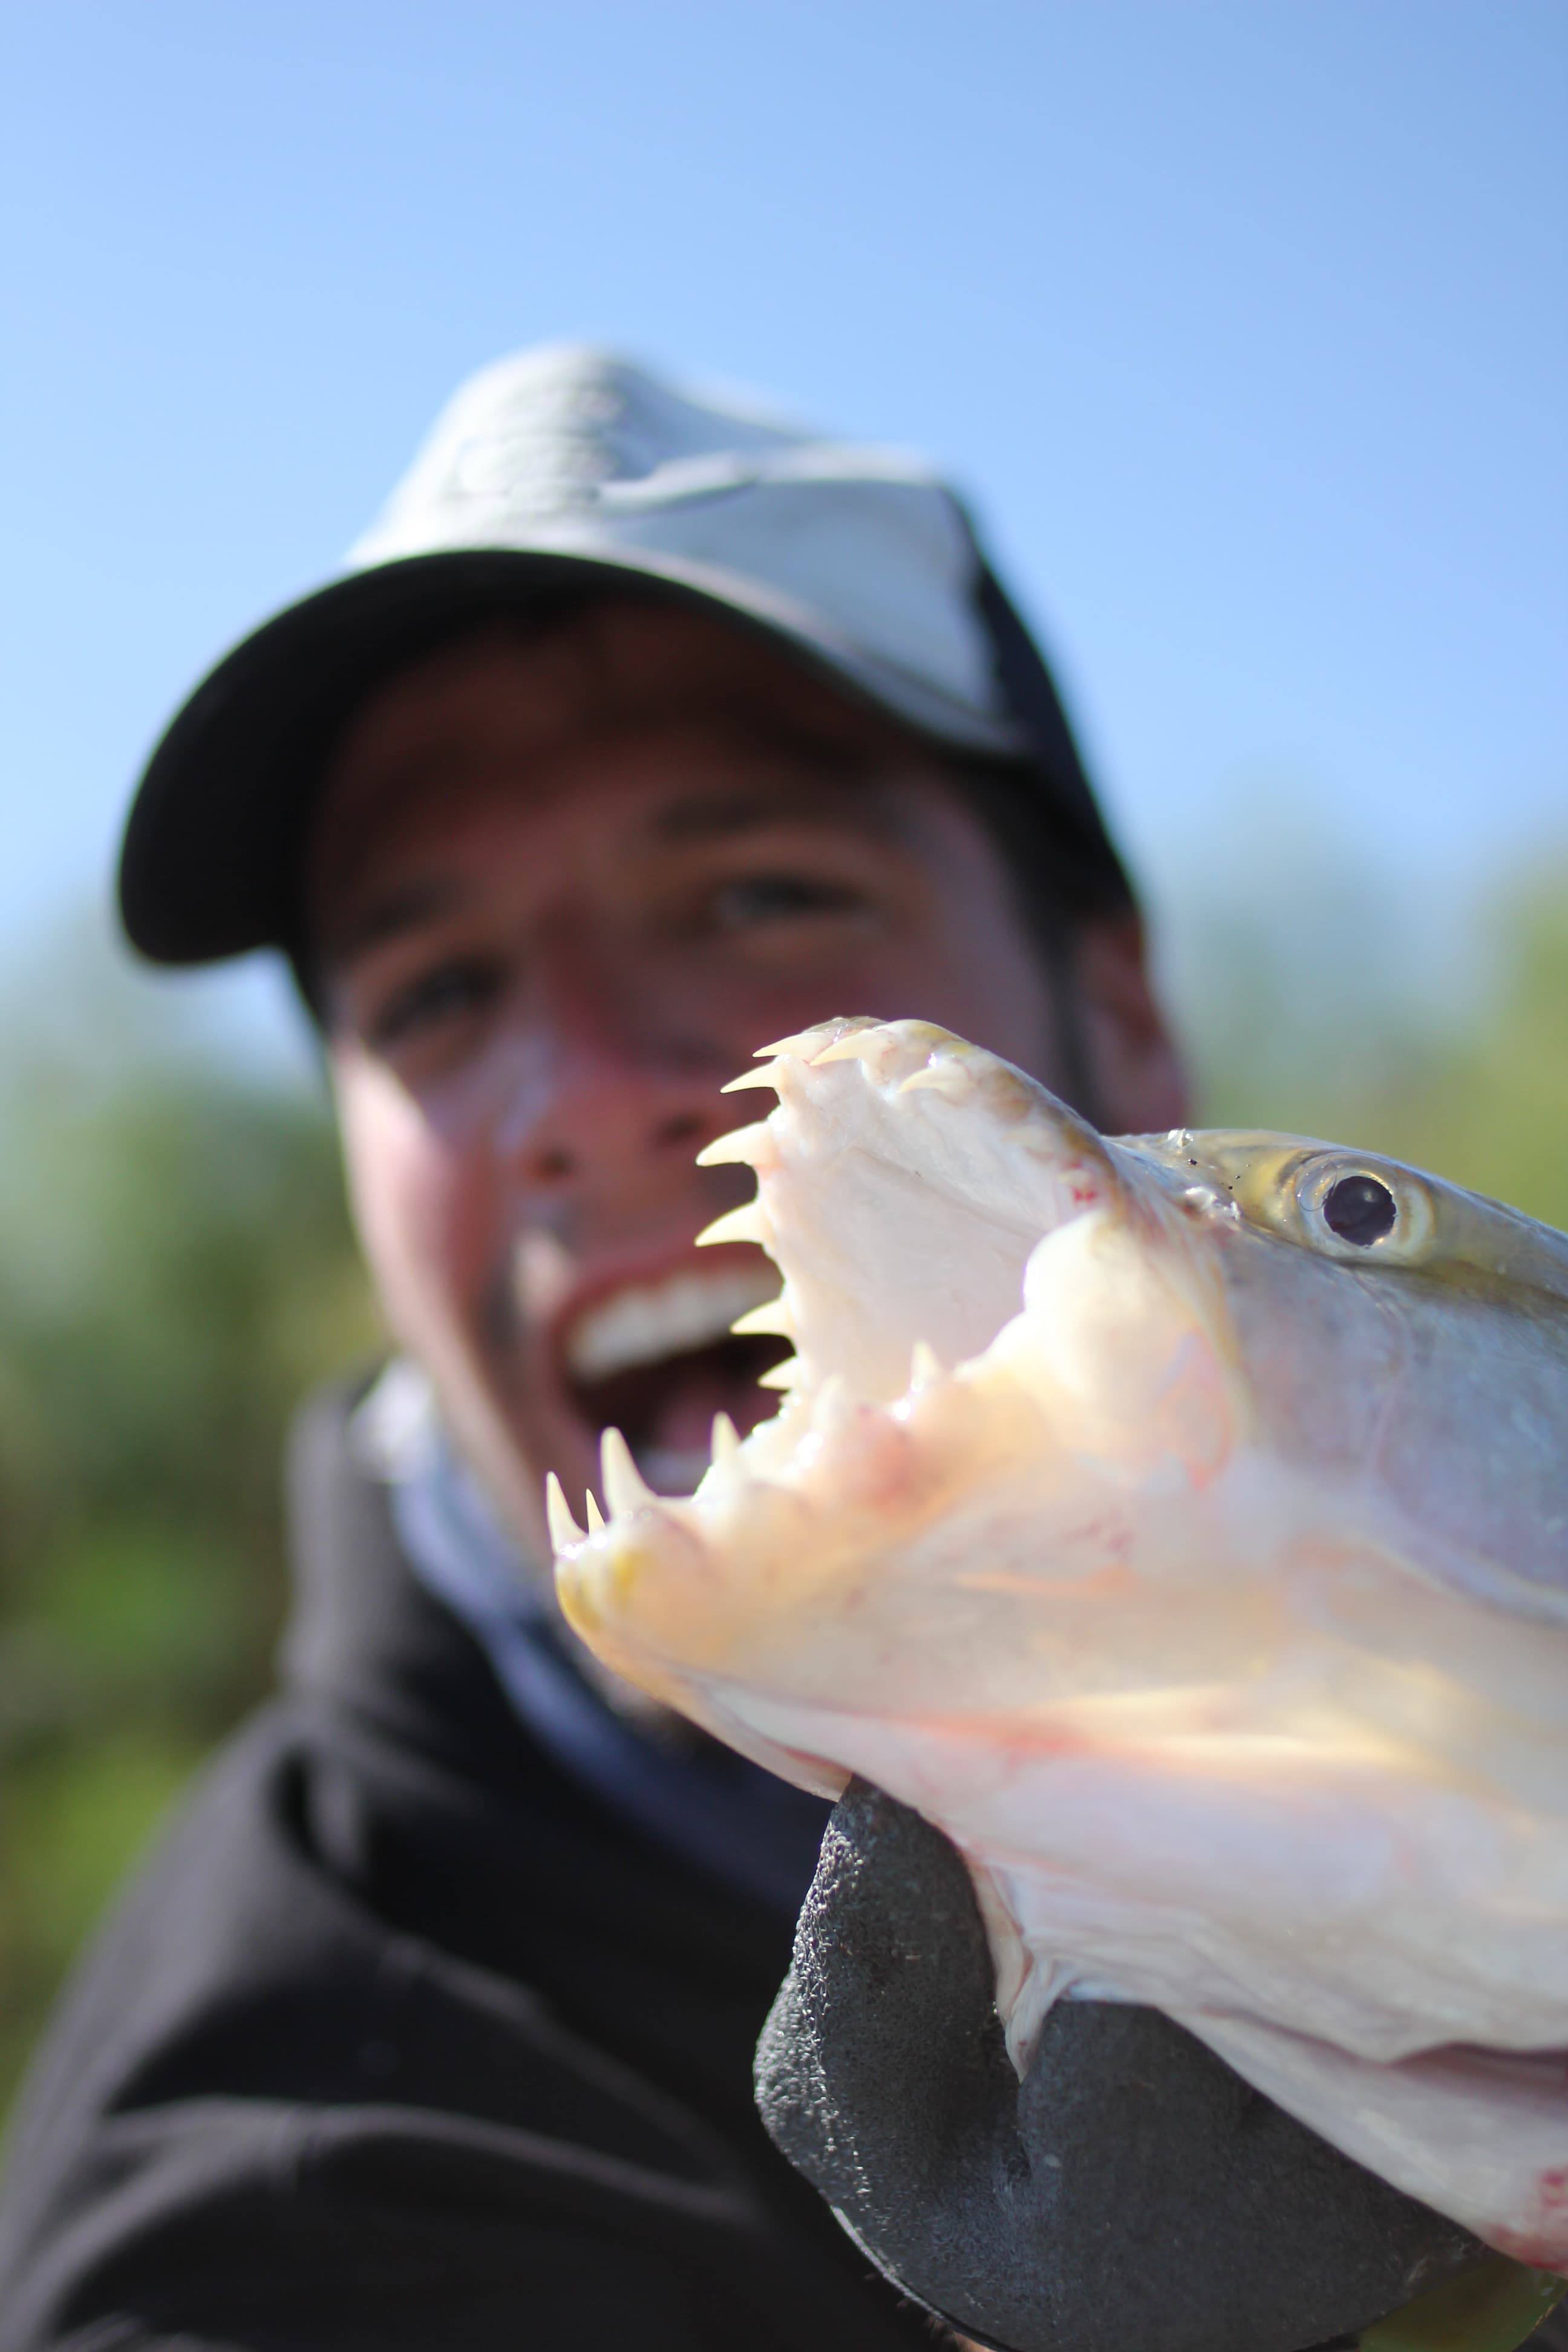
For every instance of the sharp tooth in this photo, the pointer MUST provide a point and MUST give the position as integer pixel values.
(741, 1144)
(855, 1048)
(805, 1042)
(592, 1513)
(565, 1532)
(751, 1079)
(772, 1320)
(726, 1442)
(742, 1225)
(626, 1489)
(947, 1077)
(780, 1376)
(797, 1042)
(925, 1366)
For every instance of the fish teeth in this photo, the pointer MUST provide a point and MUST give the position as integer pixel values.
(745, 1224)
(771, 1320)
(751, 1079)
(925, 1367)
(592, 1513)
(805, 1042)
(781, 1376)
(945, 1076)
(742, 1145)
(856, 1047)
(726, 1442)
(565, 1532)
(626, 1489)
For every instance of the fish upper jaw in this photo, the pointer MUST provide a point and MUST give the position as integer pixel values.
(977, 1292)
(904, 1177)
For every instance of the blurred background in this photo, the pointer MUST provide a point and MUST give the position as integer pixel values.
(1245, 324)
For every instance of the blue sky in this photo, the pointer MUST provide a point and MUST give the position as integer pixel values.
(1245, 322)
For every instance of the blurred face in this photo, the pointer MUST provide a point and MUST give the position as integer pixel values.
(563, 886)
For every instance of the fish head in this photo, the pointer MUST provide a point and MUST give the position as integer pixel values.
(1062, 1405)
(1404, 1346)
(1180, 1523)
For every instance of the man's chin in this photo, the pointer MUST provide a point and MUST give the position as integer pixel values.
(508, 1456)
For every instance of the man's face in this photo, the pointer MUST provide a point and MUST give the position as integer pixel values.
(563, 886)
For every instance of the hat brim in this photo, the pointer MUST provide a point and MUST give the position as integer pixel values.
(213, 847)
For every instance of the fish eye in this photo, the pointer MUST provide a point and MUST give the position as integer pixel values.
(1347, 1208)
(1361, 1209)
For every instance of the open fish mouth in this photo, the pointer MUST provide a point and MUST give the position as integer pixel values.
(1162, 1518)
(972, 1282)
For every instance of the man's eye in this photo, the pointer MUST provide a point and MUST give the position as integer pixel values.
(777, 897)
(446, 992)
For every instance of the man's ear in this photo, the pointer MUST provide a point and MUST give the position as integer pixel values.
(1141, 1088)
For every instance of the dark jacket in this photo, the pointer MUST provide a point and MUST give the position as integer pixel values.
(403, 2041)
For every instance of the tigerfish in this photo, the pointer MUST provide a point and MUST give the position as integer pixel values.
(1180, 1523)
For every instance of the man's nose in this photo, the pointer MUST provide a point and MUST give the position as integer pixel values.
(606, 1085)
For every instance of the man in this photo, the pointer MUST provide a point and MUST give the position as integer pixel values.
(645, 729)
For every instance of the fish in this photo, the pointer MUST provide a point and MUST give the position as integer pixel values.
(1180, 1524)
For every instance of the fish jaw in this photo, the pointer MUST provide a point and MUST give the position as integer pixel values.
(1005, 1333)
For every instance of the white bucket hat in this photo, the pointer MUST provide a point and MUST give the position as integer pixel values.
(565, 471)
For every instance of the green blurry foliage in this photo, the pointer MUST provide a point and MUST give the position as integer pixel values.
(1492, 1109)
(1311, 1027)
(176, 1270)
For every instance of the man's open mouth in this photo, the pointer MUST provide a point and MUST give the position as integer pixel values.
(658, 1360)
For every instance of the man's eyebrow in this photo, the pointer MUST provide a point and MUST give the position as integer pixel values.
(402, 908)
(710, 816)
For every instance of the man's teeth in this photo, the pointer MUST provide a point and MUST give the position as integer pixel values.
(645, 1322)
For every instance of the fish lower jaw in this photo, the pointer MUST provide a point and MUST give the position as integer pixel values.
(842, 1504)
(945, 1555)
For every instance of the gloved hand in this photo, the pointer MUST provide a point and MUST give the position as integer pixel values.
(1132, 2191)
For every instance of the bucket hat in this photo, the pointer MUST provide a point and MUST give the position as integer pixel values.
(565, 472)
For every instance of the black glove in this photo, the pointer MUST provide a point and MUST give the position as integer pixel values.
(1132, 2195)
